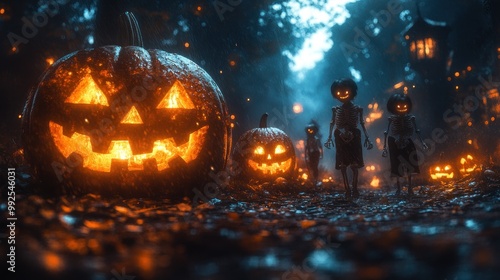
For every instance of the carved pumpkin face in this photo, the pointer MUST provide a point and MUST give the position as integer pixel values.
(132, 116)
(468, 165)
(399, 104)
(265, 153)
(442, 172)
(344, 90)
(311, 129)
(132, 143)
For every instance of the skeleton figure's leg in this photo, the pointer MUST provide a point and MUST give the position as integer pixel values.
(398, 191)
(343, 169)
(355, 173)
(410, 188)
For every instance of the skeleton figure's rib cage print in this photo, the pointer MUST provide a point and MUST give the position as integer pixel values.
(402, 128)
(347, 116)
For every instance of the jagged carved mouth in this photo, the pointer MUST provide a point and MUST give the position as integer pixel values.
(119, 151)
(271, 168)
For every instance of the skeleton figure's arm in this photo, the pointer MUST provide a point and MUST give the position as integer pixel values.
(329, 141)
(417, 131)
(368, 144)
(384, 152)
(320, 148)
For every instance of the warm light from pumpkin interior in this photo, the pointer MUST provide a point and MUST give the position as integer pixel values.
(132, 117)
(2, 11)
(87, 92)
(272, 168)
(259, 150)
(279, 149)
(438, 173)
(164, 150)
(375, 182)
(176, 98)
(467, 165)
(305, 176)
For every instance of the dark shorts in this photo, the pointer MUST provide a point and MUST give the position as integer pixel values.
(404, 161)
(349, 151)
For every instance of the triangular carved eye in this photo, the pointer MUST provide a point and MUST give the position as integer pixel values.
(176, 98)
(132, 117)
(87, 92)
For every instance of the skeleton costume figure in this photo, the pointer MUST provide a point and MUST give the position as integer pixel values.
(347, 135)
(313, 151)
(402, 151)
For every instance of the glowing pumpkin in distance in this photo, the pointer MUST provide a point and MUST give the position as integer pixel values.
(142, 122)
(264, 153)
(442, 172)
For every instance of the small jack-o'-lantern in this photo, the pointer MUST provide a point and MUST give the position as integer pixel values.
(468, 165)
(344, 90)
(264, 153)
(126, 120)
(399, 104)
(442, 172)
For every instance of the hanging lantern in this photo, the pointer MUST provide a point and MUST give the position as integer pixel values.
(427, 45)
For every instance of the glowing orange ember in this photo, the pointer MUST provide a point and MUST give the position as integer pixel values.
(49, 61)
(375, 113)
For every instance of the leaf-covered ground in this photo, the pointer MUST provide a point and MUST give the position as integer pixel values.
(446, 231)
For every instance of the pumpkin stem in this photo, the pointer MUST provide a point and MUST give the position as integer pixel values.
(263, 121)
(133, 35)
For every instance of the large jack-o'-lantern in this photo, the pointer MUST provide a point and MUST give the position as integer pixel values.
(264, 153)
(126, 120)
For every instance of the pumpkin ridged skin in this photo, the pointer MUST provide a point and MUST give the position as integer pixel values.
(119, 71)
(268, 138)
